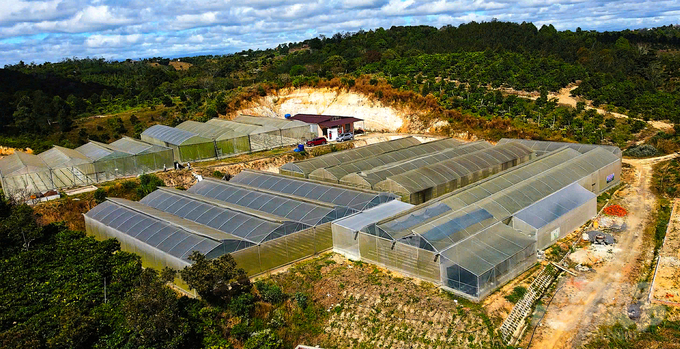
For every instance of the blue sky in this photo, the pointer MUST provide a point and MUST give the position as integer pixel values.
(50, 30)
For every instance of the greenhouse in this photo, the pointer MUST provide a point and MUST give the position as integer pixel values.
(262, 137)
(25, 176)
(334, 173)
(345, 230)
(305, 167)
(186, 146)
(369, 178)
(462, 240)
(125, 157)
(543, 147)
(309, 212)
(422, 184)
(336, 195)
(227, 142)
(291, 131)
(69, 167)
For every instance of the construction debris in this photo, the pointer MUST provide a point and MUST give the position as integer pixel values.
(600, 238)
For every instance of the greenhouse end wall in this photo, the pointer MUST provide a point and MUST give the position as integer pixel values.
(287, 249)
(409, 260)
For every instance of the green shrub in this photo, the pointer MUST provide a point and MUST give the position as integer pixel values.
(517, 293)
(270, 293)
(301, 299)
(641, 151)
(100, 195)
(217, 174)
(264, 340)
(242, 305)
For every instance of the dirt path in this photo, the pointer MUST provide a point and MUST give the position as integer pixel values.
(584, 302)
(564, 97)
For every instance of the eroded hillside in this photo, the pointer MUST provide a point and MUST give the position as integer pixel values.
(334, 101)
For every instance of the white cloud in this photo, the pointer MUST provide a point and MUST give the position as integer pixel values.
(48, 30)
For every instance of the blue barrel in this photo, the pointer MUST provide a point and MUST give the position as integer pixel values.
(301, 148)
(286, 116)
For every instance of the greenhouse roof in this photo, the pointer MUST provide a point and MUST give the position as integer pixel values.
(228, 220)
(142, 223)
(488, 248)
(98, 151)
(174, 136)
(209, 131)
(449, 170)
(286, 207)
(555, 205)
(279, 123)
(306, 167)
(338, 171)
(241, 128)
(542, 147)
(63, 157)
(334, 194)
(135, 146)
(371, 177)
(360, 220)
(21, 163)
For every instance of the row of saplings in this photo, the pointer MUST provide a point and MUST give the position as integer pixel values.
(256, 313)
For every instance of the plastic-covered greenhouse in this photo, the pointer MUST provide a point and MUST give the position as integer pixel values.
(69, 167)
(369, 178)
(261, 229)
(227, 141)
(291, 131)
(335, 173)
(333, 194)
(186, 146)
(304, 168)
(462, 240)
(422, 184)
(24, 176)
(262, 137)
(543, 147)
(125, 157)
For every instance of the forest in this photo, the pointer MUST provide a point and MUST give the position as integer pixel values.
(456, 69)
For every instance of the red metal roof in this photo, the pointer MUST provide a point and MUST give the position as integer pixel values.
(343, 121)
(325, 120)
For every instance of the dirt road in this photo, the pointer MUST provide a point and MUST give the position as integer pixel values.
(564, 97)
(584, 302)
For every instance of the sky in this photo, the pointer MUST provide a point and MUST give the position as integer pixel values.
(51, 30)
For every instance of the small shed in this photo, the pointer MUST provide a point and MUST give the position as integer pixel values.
(186, 146)
(329, 125)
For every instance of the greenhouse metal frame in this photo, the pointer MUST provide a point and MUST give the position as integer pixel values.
(304, 168)
(69, 167)
(333, 194)
(186, 146)
(369, 178)
(431, 181)
(333, 174)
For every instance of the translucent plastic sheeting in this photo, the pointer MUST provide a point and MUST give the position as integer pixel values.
(280, 205)
(140, 230)
(455, 169)
(335, 173)
(24, 175)
(361, 220)
(555, 205)
(69, 167)
(369, 178)
(227, 141)
(304, 167)
(126, 157)
(245, 226)
(335, 195)
(173, 135)
(543, 147)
